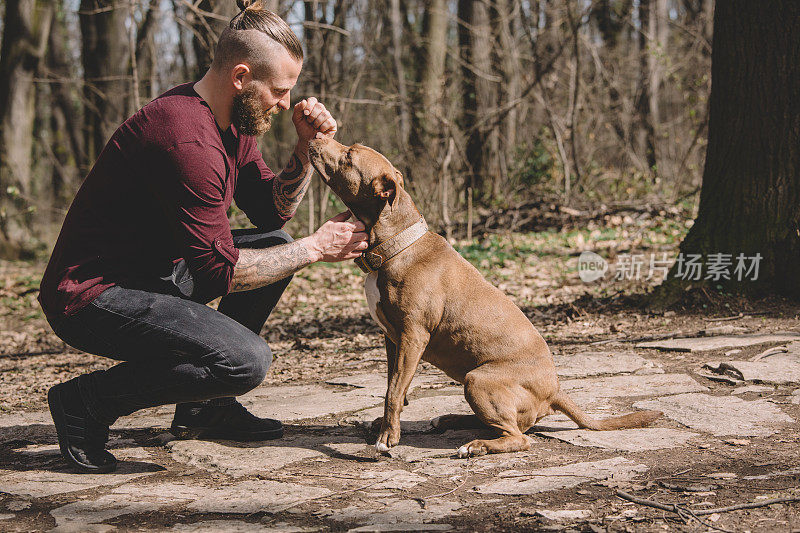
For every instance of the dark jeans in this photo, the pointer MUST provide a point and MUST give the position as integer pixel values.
(174, 349)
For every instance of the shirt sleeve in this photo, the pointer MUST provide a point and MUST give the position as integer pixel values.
(254, 193)
(200, 221)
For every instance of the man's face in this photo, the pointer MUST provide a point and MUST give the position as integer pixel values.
(258, 100)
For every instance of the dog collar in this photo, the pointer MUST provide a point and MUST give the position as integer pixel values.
(372, 260)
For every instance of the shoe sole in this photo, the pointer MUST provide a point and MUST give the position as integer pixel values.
(60, 421)
(193, 433)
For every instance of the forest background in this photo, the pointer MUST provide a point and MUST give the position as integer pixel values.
(496, 111)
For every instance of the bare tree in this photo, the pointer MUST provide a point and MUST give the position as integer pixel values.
(396, 22)
(750, 200)
(68, 144)
(426, 132)
(105, 59)
(208, 18)
(26, 28)
(479, 93)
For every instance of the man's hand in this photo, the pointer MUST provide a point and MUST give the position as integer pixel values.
(338, 239)
(312, 121)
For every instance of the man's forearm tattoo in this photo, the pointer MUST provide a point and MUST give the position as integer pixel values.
(290, 185)
(258, 267)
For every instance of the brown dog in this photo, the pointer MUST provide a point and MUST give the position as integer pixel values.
(434, 305)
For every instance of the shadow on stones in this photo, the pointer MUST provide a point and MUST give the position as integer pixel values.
(336, 441)
(14, 456)
(28, 434)
(43, 461)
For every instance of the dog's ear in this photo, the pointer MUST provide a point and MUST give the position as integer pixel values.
(386, 187)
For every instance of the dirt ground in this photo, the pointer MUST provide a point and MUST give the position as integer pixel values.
(332, 481)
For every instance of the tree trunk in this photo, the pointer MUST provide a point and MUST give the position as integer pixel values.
(105, 61)
(647, 104)
(427, 118)
(478, 93)
(146, 51)
(750, 199)
(65, 115)
(26, 28)
(208, 29)
(508, 66)
(396, 21)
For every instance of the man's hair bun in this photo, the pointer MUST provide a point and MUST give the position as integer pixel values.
(254, 15)
(244, 4)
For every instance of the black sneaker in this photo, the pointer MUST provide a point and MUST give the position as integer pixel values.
(225, 422)
(81, 438)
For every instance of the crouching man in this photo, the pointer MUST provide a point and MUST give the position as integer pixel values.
(147, 243)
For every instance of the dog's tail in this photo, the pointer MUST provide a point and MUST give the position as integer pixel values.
(639, 419)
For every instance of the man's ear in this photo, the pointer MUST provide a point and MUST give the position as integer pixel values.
(399, 178)
(239, 75)
(386, 188)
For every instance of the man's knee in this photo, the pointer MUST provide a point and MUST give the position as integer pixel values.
(253, 238)
(249, 364)
(282, 235)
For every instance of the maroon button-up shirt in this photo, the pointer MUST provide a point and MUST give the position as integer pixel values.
(158, 193)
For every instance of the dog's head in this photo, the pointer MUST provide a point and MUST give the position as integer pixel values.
(361, 177)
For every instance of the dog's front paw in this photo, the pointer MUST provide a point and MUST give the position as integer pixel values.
(473, 449)
(389, 437)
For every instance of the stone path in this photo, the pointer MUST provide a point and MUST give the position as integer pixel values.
(324, 475)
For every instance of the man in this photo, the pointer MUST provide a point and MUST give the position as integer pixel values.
(147, 243)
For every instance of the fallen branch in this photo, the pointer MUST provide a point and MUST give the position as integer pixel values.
(752, 505)
(423, 500)
(659, 337)
(678, 509)
(724, 319)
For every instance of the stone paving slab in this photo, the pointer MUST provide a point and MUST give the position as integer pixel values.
(704, 344)
(588, 364)
(238, 526)
(780, 369)
(393, 479)
(392, 510)
(152, 418)
(299, 402)
(452, 466)
(76, 515)
(752, 388)
(34, 427)
(244, 459)
(515, 482)
(244, 497)
(587, 391)
(563, 515)
(628, 440)
(721, 415)
(43, 483)
(379, 528)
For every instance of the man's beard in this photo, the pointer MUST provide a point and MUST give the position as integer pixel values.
(249, 115)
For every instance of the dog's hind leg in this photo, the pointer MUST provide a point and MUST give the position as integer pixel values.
(501, 404)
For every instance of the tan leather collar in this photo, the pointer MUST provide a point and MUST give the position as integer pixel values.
(373, 259)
